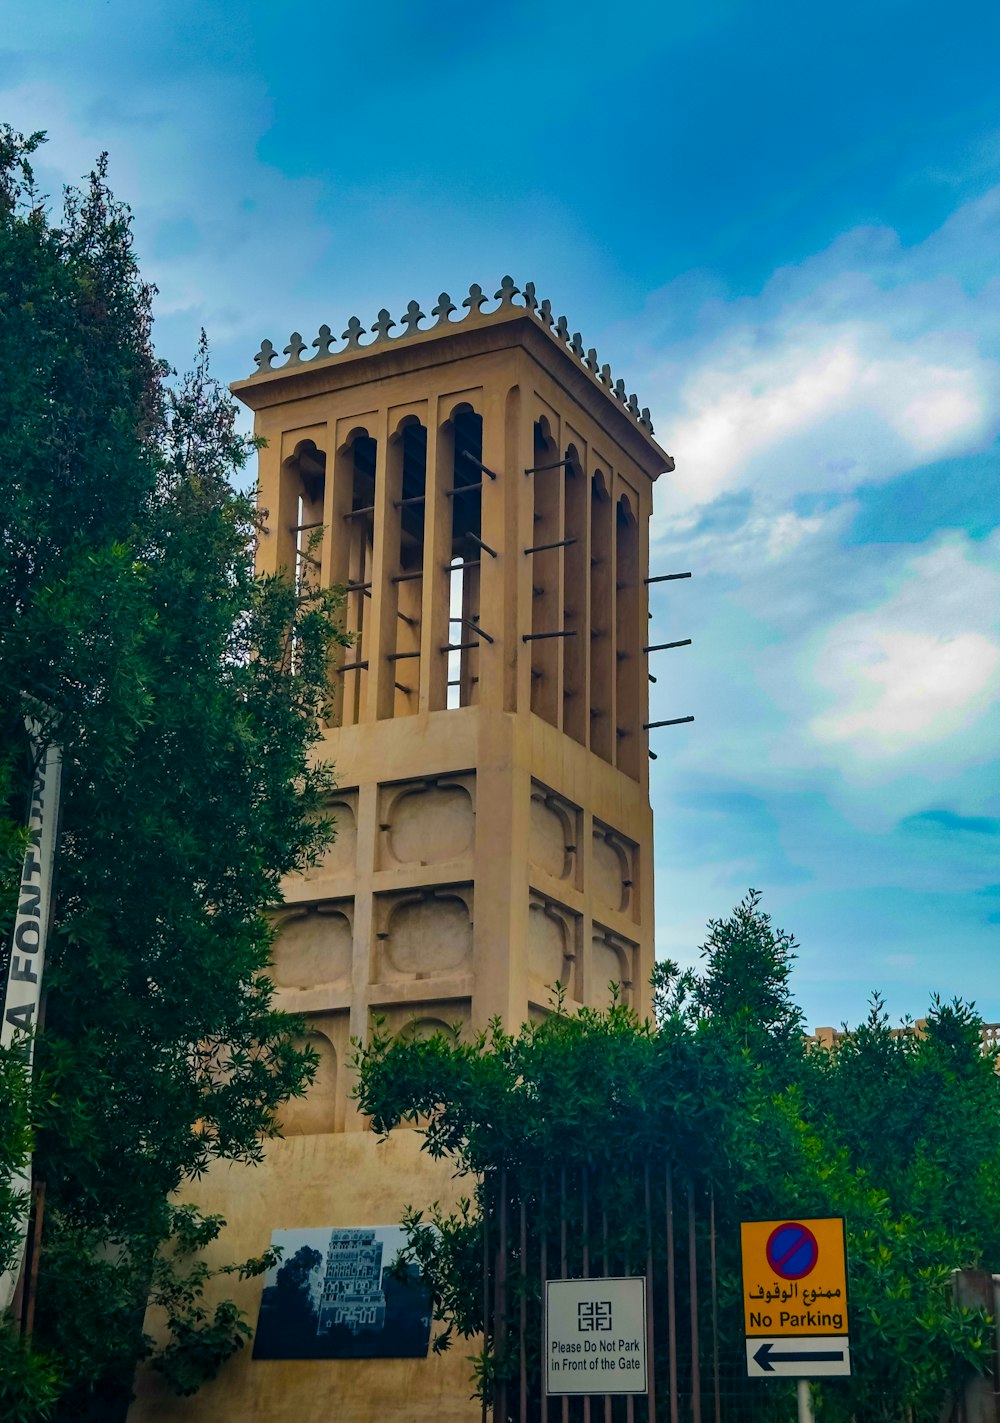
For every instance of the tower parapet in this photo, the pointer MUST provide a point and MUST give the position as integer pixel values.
(409, 326)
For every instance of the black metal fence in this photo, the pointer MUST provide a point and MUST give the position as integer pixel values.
(582, 1224)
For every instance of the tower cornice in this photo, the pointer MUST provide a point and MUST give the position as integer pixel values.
(529, 326)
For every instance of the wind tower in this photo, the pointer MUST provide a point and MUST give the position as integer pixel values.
(483, 492)
(481, 489)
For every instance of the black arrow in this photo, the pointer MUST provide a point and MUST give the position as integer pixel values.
(766, 1360)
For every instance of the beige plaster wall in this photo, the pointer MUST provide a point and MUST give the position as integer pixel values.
(342, 1179)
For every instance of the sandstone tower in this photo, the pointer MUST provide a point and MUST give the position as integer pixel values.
(482, 491)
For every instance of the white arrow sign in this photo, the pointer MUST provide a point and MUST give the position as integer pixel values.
(798, 1358)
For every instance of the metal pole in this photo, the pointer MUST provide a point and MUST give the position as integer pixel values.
(805, 1401)
(671, 1299)
(604, 1255)
(693, 1278)
(586, 1260)
(486, 1280)
(523, 1323)
(563, 1272)
(650, 1332)
(500, 1325)
(715, 1312)
(543, 1261)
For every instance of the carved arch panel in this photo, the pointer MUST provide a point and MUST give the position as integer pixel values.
(424, 934)
(427, 822)
(553, 947)
(613, 960)
(613, 869)
(314, 945)
(554, 833)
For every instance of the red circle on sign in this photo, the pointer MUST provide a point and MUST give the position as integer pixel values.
(792, 1250)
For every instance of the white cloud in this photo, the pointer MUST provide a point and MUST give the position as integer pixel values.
(901, 688)
(918, 669)
(791, 408)
(845, 370)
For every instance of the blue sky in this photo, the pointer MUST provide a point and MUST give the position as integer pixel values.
(780, 224)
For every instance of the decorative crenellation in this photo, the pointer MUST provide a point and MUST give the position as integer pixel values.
(558, 328)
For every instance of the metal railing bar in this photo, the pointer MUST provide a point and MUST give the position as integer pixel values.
(538, 636)
(586, 1258)
(500, 1296)
(486, 1291)
(715, 1308)
(473, 626)
(540, 468)
(471, 458)
(523, 1323)
(650, 1351)
(479, 544)
(559, 543)
(563, 1273)
(693, 1281)
(671, 1298)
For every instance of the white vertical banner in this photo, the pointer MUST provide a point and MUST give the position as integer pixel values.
(23, 989)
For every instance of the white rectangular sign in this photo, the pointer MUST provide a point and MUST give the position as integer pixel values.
(595, 1336)
(800, 1358)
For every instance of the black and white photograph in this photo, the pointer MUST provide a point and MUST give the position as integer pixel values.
(339, 1293)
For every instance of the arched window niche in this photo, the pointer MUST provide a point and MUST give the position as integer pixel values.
(352, 557)
(403, 591)
(628, 704)
(462, 449)
(602, 620)
(546, 575)
(575, 616)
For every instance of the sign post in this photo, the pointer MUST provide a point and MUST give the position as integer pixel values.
(795, 1301)
(595, 1336)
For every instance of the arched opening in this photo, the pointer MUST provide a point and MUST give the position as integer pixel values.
(305, 468)
(316, 1111)
(356, 557)
(546, 579)
(628, 729)
(575, 602)
(405, 565)
(602, 627)
(466, 499)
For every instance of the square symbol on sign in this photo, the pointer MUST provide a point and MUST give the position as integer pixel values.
(593, 1315)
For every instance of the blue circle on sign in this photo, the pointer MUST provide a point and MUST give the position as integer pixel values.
(792, 1250)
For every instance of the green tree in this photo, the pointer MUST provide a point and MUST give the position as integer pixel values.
(582, 1114)
(187, 695)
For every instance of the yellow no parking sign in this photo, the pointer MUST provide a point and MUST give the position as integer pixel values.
(795, 1298)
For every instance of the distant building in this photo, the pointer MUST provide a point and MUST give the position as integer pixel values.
(352, 1293)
